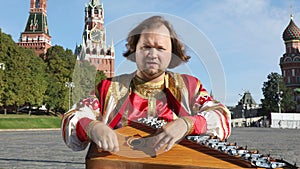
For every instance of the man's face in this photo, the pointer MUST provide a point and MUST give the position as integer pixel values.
(153, 52)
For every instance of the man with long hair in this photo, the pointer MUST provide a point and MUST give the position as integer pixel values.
(151, 91)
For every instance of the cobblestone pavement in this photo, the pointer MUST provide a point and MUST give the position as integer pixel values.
(279, 143)
(45, 149)
(37, 149)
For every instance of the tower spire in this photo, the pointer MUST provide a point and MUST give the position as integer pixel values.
(291, 15)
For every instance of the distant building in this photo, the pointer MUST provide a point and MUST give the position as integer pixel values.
(94, 48)
(36, 34)
(290, 61)
(245, 113)
(246, 107)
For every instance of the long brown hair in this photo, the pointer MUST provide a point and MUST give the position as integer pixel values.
(178, 51)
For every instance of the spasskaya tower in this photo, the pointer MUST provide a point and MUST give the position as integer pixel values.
(94, 48)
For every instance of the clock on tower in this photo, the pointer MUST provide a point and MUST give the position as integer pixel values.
(96, 35)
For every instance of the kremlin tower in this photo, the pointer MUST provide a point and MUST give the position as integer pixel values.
(94, 48)
(36, 34)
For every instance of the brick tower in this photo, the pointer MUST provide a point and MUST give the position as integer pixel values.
(36, 34)
(93, 47)
(290, 61)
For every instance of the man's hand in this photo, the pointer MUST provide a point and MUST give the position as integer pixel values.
(171, 134)
(104, 137)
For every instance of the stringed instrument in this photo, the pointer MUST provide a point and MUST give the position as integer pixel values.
(135, 153)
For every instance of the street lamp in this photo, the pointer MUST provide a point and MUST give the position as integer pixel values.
(244, 114)
(243, 110)
(70, 85)
(2, 67)
(279, 98)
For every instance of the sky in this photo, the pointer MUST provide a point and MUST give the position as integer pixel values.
(233, 44)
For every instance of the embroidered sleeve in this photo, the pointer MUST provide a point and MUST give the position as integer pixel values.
(216, 115)
(76, 121)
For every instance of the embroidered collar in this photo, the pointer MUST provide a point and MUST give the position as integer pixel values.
(147, 89)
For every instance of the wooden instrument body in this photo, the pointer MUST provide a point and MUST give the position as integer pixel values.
(184, 155)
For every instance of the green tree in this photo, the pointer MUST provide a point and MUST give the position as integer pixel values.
(33, 82)
(3, 39)
(30, 80)
(60, 65)
(23, 81)
(271, 95)
(99, 77)
(85, 77)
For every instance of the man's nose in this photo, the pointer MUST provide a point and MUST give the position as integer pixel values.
(152, 53)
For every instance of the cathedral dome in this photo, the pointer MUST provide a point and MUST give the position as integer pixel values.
(291, 32)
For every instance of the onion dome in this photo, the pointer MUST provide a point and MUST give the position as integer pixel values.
(291, 32)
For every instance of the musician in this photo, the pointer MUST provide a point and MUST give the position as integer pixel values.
(150, 91)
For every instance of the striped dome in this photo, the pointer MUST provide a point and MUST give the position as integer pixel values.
(291, 32)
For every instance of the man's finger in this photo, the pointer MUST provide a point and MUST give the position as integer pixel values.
(116, 144)
(99, 144)
(110, 145)
(156, 139)
(162, 142)
(104, 145)
(170, 145)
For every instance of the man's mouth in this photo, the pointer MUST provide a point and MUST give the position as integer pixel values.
(151, 63)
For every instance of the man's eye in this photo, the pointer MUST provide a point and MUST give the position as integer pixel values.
(146, 47)
(161, 48)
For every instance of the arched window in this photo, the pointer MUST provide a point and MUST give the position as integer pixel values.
(296, 58)
(288, 59)
(96, 11)
(102, 52)
(108, 52)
